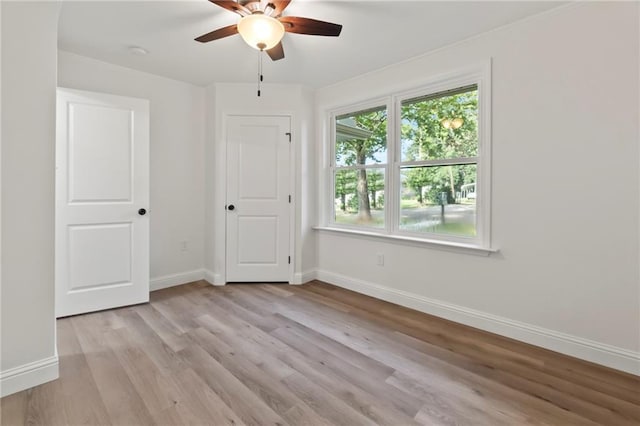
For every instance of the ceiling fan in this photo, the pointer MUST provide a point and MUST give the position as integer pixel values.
(262, 25)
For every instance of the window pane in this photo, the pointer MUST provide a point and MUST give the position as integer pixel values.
(361, 138)
(359, 197)
(440, 126)
(439, 199)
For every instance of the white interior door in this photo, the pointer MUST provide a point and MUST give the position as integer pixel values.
(258, 199)
(102, 193)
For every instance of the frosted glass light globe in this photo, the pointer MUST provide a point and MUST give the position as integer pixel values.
(260, 31)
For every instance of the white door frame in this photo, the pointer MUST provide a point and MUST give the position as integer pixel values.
(220, 194)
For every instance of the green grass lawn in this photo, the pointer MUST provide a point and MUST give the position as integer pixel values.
(351, 218)
(410, 204)
(453, 228)
(463, 229)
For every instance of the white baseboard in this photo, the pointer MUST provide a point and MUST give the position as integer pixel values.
(589, 350)
(176, 279)
(304, 277)
(213, 278)
(28, 375)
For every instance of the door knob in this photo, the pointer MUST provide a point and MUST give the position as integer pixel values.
(231, 207)
(142, 212)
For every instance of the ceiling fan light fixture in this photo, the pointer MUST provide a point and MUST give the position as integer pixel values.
(260, 31)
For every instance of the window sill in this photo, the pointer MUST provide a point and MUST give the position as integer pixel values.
(420, 242)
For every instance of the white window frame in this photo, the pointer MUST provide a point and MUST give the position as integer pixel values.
(477, 75)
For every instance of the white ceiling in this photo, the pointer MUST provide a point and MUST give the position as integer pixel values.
(375, 34)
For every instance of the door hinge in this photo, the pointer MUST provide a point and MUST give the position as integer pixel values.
(289, 134)
(289, 199)
(289, 260)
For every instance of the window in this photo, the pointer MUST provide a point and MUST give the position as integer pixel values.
(438, 163)
(360, 158)
(415, 164)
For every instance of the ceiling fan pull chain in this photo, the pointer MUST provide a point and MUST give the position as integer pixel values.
(259, 71)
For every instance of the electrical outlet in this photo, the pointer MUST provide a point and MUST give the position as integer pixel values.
(184, 246)
(380, 259)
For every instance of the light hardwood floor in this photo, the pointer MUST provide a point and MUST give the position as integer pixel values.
(308, 355)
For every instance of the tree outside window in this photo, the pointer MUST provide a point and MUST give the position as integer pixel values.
(360, 162)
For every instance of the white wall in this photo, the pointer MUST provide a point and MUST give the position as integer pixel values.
(565, 189)
(28, 352)
(276, 99)
(177, 159)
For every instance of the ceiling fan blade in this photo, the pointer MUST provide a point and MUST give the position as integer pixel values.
(218, 34)
(276, 52)
(232, 6)
(280, 6)
(295, 24)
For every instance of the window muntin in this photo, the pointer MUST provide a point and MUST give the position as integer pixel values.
(360, 162)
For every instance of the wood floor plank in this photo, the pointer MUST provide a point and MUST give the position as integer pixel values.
(272, 392)
(122, 402)
(163, 355)
(302, 415)
(265, 360)
(363, 379)
(362, 333)
(378, 410)
(563, 393)
(14, 409)
(154, 387)
(421, 371)
(324, 403)
(249, 407)
(591, 375)
(203, 405)
(179, 311)
(277, 289)
(450, 402)
(81, 397)
(313, 354)
(373, 367)
(432, 333)
(162, 327)
(401, 357)
(42, 403)
(237, 305)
